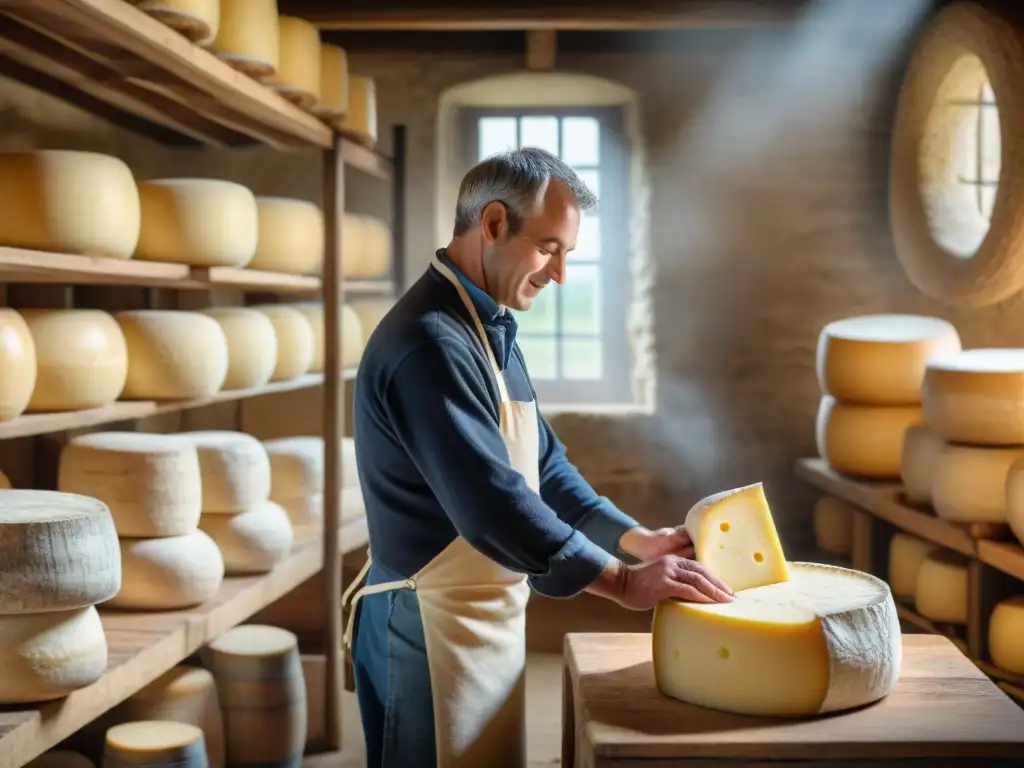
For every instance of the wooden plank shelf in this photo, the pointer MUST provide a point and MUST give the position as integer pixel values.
(369, 287)
(127, 410)
(18, 265)
(144, 644)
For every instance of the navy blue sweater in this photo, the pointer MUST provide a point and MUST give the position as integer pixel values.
(432, 463)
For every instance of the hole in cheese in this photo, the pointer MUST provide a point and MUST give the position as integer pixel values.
(758, 557)
(724, 527)
(723, 653)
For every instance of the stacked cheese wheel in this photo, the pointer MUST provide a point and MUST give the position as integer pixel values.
(296, 341)
(366, 248)
(152, 486)
(870, 370)
(934, 580)
(297, 479)
(60, 559)
(974, 406)
(799, 639)
(248, 37)
(17, 365)
(252, 345)
(253, 533)
(360, 120)
(198, 20)
(298, 70)
(352, 336)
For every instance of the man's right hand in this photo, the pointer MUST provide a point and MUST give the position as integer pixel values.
(641, 587)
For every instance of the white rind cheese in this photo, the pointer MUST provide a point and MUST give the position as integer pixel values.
(296, 343)
(151, 483)
(864, 440)
(58, 551)
(352, 341)
(68, 202)
(254, 541)
(296, 466)
(976, 397)
(881, 359)
(173, 355)
(81, 359)
(235, 470)
(17, 365)
(824, 641)
(833, 525)
(941, 592)
(921, 448)
(46, 656)
(252, 346)
(305, 511)
(906, 555)
(155, 744)
(291, 238)
(169, 573)
(969, 483)
(201, 222)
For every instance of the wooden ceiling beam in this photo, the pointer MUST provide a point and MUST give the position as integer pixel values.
(498, 16)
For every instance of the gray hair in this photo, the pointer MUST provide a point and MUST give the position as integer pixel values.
(518, 179)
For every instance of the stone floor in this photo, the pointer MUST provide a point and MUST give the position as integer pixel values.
(544, 719)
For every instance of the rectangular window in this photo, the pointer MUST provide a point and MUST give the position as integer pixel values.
(574, 339)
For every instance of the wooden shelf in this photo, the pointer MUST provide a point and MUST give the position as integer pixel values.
(883, 500)
(144, 645)
(370, 287)
(366, 160)
(125, 410)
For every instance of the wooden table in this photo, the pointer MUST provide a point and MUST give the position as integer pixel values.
(943, 712)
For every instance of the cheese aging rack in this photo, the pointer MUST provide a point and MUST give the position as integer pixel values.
(115, 61)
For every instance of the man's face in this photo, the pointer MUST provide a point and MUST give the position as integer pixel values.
(517, 267)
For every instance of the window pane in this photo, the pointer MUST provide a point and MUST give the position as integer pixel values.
(541, 317)
(990, 147)
(588, 242)
(496, 134)
(581, 359)
(580, 141)
(540, 132)
(541, 355)
(591, 179)
(581, 300)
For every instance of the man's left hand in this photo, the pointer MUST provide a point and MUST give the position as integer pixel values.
(646, 545)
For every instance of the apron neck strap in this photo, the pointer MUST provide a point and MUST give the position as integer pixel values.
(479, 326)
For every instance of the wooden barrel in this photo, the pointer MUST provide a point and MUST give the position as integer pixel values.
(262, 695)
(154, 744)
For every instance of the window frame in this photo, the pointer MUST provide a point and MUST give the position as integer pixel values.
(616, 386)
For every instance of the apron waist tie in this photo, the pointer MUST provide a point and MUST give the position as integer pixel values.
(354, 593)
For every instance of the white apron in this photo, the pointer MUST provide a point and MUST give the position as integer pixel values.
(474, 616)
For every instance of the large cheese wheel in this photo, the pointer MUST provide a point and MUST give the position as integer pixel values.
(1005, 630)
(833, 525)
(252, 346)
(61, 758)
(291, 238)
(198, 20)
(173, 355)
(735, 537)
(296, 466)
(976, 397)
(826, 640)
(254, 541)
(183, 694)
(352, 246)
(370, 313)
(81, 359)
(235, 470)
(17, 365)
(248, 36)
(941, 591)
(920, 451)
(880, 359)
(969, 482)
(202, 222)
(151, 483)
(155, 744)
(360, 120)
(366, 250)
(68, 202)
(1015, 499)
(352, 341)
(298, 71)
(864, 440)
(169, 573)
(295, 341)
(57, 551)
(333, 82)
(906, 554)
(5, 482)
(46, 656)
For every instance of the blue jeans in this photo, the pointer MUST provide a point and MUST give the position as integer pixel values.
(392, 678)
